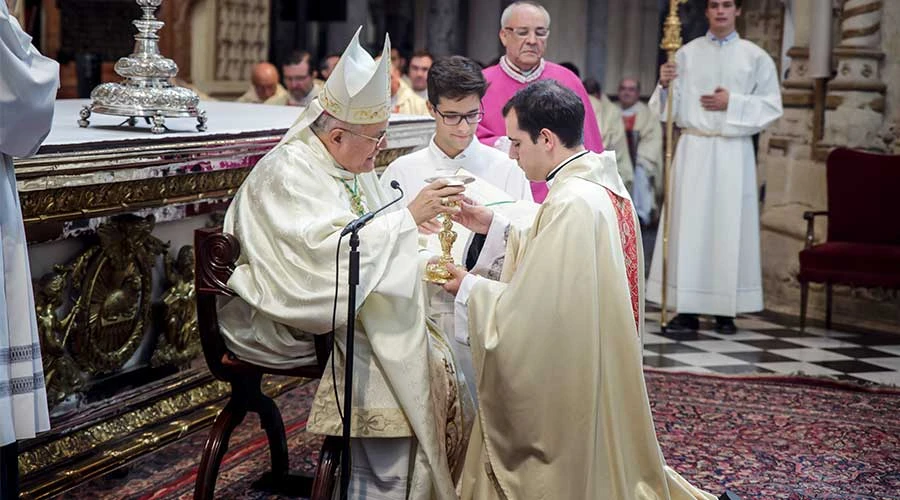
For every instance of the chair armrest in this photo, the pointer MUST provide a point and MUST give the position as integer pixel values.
(810, 217)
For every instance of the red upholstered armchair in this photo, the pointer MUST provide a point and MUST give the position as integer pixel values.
(862, 247)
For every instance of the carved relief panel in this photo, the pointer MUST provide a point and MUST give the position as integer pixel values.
(762, 22)
(94, 311)
(230, 36)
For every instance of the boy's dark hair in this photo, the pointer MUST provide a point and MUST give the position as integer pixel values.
(545, 104)
(454, 78)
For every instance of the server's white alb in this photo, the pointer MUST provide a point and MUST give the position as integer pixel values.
(714, 262)
(28, 83)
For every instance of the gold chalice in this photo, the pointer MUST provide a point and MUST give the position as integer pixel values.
(437, 272)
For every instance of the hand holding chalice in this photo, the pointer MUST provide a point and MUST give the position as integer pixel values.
(437, 272)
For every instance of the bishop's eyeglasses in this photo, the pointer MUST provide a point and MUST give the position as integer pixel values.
(455, 119)
(378, 140)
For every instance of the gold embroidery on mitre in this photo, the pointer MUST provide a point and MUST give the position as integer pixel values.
(330, 104)
(371, 115)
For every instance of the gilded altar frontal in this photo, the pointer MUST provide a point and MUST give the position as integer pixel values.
(245, 242)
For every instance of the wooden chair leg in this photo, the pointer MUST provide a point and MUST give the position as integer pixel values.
(828, 306)
(804, 297)
(216, 445)
(279, 480)
(326, 472)
(271, 421)
(9, 471)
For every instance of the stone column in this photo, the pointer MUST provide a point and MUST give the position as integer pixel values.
(568, 31)
(798, 85)
(482, 42)
(856, 94)
(444, 28)
(794, 181)
(420, 23)
(339, 33)
(632, 43)
(597, 41)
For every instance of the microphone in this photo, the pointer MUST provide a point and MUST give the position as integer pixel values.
(359, 223)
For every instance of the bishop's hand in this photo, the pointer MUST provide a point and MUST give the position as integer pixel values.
(434, 199)
(458, 273)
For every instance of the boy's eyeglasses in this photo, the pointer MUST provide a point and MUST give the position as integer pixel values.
(455, 119)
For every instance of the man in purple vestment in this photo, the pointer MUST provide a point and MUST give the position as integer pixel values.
(524, 28)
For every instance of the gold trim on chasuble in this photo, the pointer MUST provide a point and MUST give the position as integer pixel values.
(628, 237)
(446, 396)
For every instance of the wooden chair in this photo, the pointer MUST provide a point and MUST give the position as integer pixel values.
(215, 256)
(862, 247)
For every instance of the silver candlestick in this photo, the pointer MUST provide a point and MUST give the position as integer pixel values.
(147, 90)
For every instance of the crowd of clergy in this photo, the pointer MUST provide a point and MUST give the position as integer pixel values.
(520, 376)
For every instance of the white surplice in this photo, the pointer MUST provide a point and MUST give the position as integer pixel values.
(288, 215)
(714, 254)
(28, 83)
(488, 164)
(485, 162)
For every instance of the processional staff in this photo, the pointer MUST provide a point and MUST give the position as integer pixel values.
(671, 42)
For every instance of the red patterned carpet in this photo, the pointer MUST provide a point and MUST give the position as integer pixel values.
(762, 438)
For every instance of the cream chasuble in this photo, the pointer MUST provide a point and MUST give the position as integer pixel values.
(714, 261)
(407, 102)
(288, 215)
(563, 411)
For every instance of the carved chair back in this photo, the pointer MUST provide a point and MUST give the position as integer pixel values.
(216, 255)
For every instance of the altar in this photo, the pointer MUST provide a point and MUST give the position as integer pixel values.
(109, 213)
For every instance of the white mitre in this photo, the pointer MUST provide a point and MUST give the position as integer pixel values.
(358, 90)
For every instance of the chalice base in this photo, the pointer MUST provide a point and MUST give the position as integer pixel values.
(437, 272)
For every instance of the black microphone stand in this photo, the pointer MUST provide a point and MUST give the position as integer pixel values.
(352, 281)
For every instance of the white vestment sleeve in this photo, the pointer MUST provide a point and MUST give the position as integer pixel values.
(461, 308)
(659, 99)
(28, 83)
(748, 114)
(494, 245)
(657, 102)
(494, 249)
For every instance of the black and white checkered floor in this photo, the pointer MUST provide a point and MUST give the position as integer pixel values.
(762, 345)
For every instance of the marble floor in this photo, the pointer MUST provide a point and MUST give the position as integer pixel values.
(767, 343)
